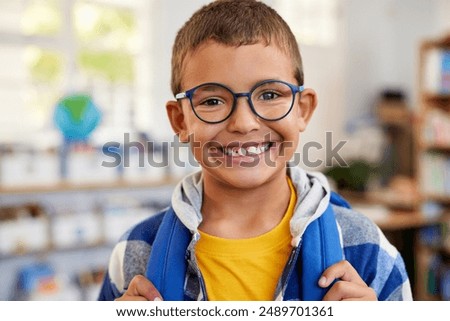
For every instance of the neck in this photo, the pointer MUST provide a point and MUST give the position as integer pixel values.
(242, 213)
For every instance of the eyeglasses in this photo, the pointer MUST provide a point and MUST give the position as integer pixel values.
(214, 103)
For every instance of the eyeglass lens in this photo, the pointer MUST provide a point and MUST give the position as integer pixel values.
(270, 100)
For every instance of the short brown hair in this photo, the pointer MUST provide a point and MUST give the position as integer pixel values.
(233, 23)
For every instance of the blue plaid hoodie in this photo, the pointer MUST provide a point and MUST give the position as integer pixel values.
(324, 230)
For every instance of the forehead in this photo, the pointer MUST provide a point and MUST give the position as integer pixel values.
(215, 62)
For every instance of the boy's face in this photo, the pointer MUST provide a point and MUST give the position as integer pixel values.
(244, 151)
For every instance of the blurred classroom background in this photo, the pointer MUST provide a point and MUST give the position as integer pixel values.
(86, 149)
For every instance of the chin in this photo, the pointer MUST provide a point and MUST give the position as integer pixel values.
(247, 178)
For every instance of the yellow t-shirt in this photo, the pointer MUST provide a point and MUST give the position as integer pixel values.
(246, 269)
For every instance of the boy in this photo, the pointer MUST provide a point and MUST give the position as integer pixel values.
(248, 227)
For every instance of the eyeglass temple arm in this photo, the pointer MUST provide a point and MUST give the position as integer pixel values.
(180, 96)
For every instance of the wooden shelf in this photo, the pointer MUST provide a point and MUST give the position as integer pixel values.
(384, 198)
(429, 102)
(443, 148)
(445, 199)
(53, 249)
(399, 216)
(401, 220)
(68, 187)
(436, 97)
(443, 42)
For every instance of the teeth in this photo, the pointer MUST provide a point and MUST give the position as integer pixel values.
(251, 150)
(254, 150)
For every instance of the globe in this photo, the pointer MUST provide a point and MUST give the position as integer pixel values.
(76, 116)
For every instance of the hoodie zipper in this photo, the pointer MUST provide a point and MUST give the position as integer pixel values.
(291, 267)
(192, 261)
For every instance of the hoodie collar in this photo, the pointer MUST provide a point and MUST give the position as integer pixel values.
(313, 196)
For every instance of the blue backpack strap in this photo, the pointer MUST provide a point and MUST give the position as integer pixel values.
(338, 200)
(166, 267)
(320, 248)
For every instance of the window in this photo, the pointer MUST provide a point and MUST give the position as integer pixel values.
(51, 48)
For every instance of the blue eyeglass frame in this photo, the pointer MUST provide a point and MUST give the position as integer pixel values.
(189, 93)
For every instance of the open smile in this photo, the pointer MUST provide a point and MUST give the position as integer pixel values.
(248, 150)
(241, 150)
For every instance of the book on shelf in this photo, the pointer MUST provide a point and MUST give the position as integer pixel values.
(437, 72)
(435, 174)
(436, 129)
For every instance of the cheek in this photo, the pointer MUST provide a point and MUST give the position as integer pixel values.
(288, 148)
(289, 133)
(296, 120)
(200, 138)
(195, 129)
(289, 128)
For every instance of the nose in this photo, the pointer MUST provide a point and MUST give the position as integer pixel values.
(243, 120)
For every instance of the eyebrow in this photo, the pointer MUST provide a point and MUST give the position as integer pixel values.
(211, 87)
(259, 81)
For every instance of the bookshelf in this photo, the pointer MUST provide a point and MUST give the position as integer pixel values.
(433, 168)
(70, 227)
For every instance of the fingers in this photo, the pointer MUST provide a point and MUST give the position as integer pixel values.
(342, 270)
(141, 289)
(350, 285)
(141, 286)
(348, 291)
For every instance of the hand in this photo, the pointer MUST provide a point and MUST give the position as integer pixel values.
(140, 289)
(349, 287)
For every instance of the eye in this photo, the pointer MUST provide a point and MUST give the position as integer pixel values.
(268, 95)
(211, 102)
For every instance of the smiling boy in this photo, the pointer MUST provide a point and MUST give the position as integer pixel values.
(248, 227)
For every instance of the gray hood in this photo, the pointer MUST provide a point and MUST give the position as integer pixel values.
(313, 196)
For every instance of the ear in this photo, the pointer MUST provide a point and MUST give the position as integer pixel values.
(307, 105)
(177, 120)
